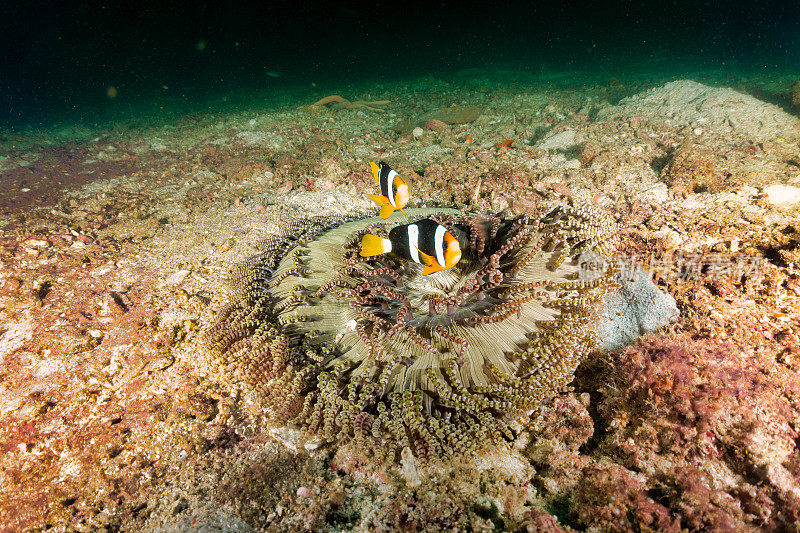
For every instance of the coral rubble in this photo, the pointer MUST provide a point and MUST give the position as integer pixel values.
(367, 349)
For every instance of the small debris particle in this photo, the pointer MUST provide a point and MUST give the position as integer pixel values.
(560, 188)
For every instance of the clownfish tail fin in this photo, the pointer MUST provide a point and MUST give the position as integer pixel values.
(372, 245)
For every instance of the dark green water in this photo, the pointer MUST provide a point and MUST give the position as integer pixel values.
(104, 61)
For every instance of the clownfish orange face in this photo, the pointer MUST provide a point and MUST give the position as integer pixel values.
(452, 251)
(402, 194)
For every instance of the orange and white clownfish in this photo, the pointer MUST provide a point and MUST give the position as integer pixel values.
(425, 242)
(394, 191)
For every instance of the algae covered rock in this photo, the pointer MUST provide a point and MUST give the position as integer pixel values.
(461, 114)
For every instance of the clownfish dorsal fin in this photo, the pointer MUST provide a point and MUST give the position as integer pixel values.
(376, 171)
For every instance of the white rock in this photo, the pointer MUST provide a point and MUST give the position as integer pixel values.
(686, 103)
(670, 237)
(410, 466)
(559, 141)
(747, 191)
(636, 308)
(290, 437)
(417, 132)
(782, 195)
(176, 278)
(692, 202)
(103, 270)
(656, 193)
(304, 492)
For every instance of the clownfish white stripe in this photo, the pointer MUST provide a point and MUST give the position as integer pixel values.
(390, 187)
(386, 244)
(413, 242)
(438, 241)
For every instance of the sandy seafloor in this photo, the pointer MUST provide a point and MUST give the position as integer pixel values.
(116, 241)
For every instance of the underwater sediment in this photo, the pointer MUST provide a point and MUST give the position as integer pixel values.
(369, 350)
(113, 418)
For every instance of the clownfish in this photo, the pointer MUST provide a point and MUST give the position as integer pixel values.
(394, 191)
(424, 242)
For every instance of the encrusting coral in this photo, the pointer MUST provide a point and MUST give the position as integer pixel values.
(369, 350)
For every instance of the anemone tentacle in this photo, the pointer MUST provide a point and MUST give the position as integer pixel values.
(370, 350)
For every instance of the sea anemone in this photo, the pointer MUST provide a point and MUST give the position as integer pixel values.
(369, 350)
